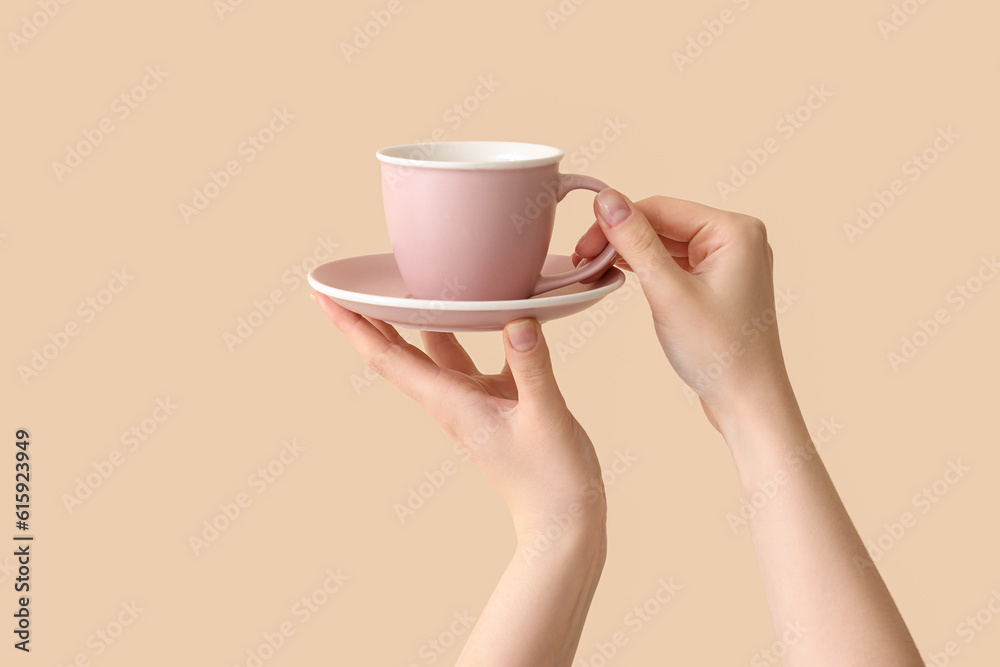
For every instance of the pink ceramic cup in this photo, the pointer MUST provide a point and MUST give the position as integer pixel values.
(472, 220)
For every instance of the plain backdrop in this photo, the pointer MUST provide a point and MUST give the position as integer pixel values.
(171, 170)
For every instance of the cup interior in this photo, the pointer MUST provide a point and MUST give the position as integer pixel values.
(471, 155)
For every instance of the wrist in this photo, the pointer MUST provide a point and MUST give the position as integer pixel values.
(765, 431)
(753, 405)
(577, 560)
(580, 536)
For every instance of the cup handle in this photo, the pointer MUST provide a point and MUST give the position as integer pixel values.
(596, 266)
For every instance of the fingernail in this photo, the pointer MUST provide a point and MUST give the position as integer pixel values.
(614, 208)
(522, 335)
(312, 295)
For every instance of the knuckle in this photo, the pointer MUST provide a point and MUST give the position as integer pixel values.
(646, 244)
(751, 232)
(743, 222)
(653, 201)
(535, 371)
(378, 363)
(755, 228)
(381, 361)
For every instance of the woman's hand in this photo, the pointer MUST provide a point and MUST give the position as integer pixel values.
(516, 428)
(707, 275)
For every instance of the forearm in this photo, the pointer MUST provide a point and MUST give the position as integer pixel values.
(537, 611)
(817, 575)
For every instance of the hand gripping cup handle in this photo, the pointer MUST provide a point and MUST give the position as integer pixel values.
(597, 266)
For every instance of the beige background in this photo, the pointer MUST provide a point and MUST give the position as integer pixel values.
(365, 445)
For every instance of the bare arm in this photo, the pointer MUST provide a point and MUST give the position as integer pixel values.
(536, 614)
(515, 427)
(707, 275)
(816, 571)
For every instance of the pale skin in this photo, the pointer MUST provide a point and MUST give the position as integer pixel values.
(706, 273)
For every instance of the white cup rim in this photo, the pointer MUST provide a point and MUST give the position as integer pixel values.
(471, 155)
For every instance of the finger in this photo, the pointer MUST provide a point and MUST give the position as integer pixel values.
(675, 248)
(678, 219)
(682, 261)
(628, 230)
(591, 243)
(400, 363)
(531, 366)
(580, 262)
(447, 352)
(387, 330)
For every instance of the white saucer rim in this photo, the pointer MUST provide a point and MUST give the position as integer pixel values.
(463, 306)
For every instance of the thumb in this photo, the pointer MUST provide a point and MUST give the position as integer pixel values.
(531, 366)
(631, 234)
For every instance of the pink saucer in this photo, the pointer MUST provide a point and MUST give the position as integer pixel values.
(371, 286)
